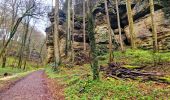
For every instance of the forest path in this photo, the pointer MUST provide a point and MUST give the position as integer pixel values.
(32, 87)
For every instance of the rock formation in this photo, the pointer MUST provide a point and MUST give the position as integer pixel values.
(142, 24)
(50, 36)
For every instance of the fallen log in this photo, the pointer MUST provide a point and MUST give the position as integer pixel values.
(115, 70)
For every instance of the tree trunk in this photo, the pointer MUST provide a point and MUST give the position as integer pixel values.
(119, 27)
(84, 24)
(154, 33)
(4, 55)
(131, 27)
(27, 47)
(56, 35)
(94, 61)
(68, 38)
(41, 49)
(110, 33)
(72, 49)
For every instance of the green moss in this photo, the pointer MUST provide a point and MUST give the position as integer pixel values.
(131, 67)
(166, 79)
(101, 58)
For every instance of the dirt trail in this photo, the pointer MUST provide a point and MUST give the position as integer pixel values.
(32, 87)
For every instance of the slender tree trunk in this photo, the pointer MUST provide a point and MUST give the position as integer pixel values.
(20, 54)
(25, 63)
(131, 27)
(154, 33)
(4, 61)
(4, 55)
(119, 27)
(27, 48)
(41, 49)
(84, 24)
(68, 38)
(91, 33)
(29, 42)
(69, 24)
(72, 49)
(110, 33)
(56, 35)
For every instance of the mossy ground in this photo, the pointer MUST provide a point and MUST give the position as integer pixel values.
(80, 86)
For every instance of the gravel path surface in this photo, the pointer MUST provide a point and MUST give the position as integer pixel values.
(32, 87)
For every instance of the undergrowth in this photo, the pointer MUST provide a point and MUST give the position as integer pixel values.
(80, 86)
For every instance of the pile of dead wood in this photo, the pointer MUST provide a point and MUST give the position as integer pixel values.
(115, 70)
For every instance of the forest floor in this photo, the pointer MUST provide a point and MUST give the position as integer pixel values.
(32, 87)
(78, 84)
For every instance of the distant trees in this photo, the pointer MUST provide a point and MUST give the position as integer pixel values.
(131, 27)
(154, 33)
(30, 11)
(17, 12)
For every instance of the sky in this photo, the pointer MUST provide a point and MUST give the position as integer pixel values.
(43, 23)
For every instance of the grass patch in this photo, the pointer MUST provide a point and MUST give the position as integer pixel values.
(10, 71)
(11, 67)
(140, 57)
